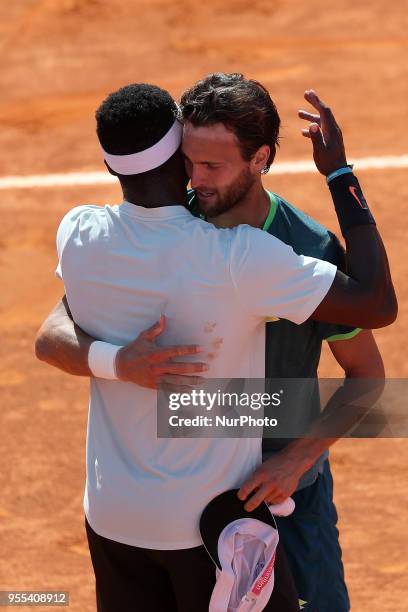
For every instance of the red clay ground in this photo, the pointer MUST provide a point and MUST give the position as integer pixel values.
(57, 62)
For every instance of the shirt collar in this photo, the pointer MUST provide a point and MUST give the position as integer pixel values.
(160, 212)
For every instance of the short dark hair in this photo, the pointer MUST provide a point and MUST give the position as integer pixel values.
(134, 118)
(242, 105)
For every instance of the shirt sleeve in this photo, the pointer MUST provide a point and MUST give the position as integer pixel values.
(65, 230)
(272, 280)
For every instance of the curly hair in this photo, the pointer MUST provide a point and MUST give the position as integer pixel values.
(134, 118)
(242, 105)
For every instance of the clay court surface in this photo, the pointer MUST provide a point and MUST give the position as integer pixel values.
(58, 60)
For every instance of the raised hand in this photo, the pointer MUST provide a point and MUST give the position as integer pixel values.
(328, 147)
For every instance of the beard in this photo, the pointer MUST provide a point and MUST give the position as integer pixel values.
(230, 197)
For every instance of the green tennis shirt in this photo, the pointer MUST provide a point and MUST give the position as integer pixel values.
(293, 351)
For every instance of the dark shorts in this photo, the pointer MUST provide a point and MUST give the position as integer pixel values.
(131, 579)
(311, 542)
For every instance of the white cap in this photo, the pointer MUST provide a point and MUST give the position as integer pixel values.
(243, 548)
(246, 549)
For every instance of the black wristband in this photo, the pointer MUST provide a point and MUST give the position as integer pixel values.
(349, 202)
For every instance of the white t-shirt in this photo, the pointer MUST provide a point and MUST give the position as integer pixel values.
(122, 267)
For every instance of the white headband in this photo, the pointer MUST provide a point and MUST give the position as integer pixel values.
(150, 158)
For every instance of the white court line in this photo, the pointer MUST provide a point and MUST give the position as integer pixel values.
(70, 179)
(364, 163)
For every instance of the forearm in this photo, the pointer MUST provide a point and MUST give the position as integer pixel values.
(364, 297)
(62, 344)
(342, 414)
(366, 258)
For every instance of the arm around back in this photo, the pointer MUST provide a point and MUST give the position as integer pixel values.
(61, 343)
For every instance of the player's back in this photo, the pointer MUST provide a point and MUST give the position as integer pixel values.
(122, 267)
(137, 263)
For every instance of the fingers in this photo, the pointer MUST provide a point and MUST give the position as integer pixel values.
(175, 379)
(316, 136)
(262, 488)
(266, 492)
(314, 119)
(182, 384)
(327, 121)
(179, 368)
(155, 330)
(258, 498)
(326, 116)
(326, 136)
(250, 485)
(168, 388)
(313, 132)
(313, 99)
(169, 352)
(276, 497)
(309, 116)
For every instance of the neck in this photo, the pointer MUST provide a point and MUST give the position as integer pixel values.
(252, 209)
(155, 194)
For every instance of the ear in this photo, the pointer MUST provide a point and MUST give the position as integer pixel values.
(260, 158)
(110, 169)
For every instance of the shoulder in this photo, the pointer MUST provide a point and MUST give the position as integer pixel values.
(254, 238)
(81, 213)
(87, 222)
(304, 234)
(261, 253)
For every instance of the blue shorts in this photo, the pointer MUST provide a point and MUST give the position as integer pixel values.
(311, 540)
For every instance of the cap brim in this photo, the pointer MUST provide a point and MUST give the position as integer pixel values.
(222, 510)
